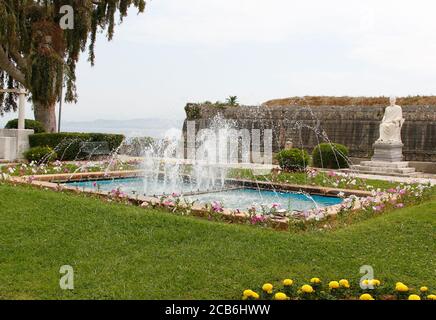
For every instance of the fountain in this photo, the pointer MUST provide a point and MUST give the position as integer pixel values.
(167, 170)
(200, 172)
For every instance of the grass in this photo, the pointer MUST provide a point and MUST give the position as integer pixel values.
(120, 251)
(321, 179)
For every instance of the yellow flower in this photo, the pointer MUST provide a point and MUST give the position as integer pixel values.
(280, 296)
(375, 282)
(334, 285)
(247, 293)
(307, 288)
(423, 289)
(344, 283)
(267, 287)
(431, 297)
(414, 297)
(366, 296)
(401, 287)
(315, 280)
(288, 282)
(365, 282)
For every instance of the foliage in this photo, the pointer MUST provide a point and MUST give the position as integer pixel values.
(193, 111)
(69, 145)
(232, 101)
(98, 235)
(330, 155)
(28, 124)
(39, 54)
(40, 154)
(58, 167)
(293, 159)
(350, 101)
(316, 178)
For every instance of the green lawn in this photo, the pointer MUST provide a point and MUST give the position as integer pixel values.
(121, 251)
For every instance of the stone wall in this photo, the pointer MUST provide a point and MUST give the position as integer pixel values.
(306, 126)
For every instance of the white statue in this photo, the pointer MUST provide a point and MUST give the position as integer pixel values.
(390, 128)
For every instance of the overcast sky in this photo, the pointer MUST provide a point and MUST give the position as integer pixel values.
(195, 50)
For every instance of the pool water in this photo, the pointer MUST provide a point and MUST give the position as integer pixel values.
(246, 198)
(242, 199)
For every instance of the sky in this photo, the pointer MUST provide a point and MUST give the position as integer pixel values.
(196, 50)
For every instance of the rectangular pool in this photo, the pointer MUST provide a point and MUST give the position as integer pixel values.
(241, 198)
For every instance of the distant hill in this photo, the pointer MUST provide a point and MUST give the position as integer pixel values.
(153, 127)
(350, 101)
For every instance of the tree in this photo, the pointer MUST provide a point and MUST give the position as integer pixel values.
(232, 101)
(40, 44)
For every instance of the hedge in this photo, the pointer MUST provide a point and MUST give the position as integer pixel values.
(28, 124)
(69, 145)
(293, 159)
(330, 155)
(40, 154)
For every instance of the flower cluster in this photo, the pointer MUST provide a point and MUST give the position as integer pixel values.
(315, 289)
(379, 201)
(58, 167)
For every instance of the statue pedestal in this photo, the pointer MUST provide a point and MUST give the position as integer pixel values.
(388, 152)
(387, 160)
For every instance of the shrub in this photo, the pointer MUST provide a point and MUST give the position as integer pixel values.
(193, 111)
(40, 154)
(293, 159)
(68, 145)
(332, 156)
(28, 124)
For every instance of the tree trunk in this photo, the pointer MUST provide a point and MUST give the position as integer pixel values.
(46, 114)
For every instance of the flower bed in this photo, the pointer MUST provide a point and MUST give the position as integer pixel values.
(58, 167)
(316, 289)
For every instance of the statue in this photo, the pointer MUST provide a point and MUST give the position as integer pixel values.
(390, 128)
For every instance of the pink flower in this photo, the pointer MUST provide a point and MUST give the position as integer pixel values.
(257, 219)
(331, 174)
(217, 206)
(377, 208)
(94, 184)
(392, 190)
(400, 205)
(117, 193)
(175, 195)
(168, 203)
(275, 205)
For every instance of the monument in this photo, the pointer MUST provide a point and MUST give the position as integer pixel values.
(14, 142)
(389, 146)
(388, 149)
